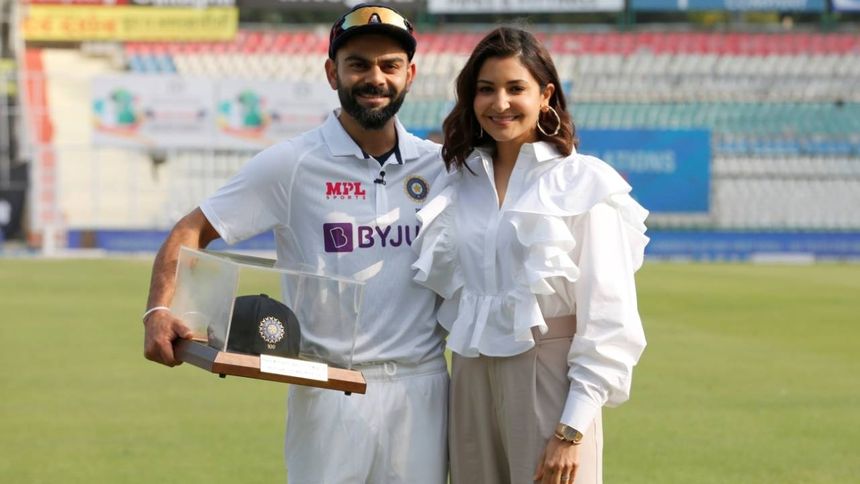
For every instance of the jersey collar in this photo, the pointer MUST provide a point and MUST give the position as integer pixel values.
(341, 144)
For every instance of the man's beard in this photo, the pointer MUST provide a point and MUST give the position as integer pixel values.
(369, 118)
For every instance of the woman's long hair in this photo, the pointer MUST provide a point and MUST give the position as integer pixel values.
(461, 130)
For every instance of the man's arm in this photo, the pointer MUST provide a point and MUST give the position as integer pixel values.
(162, 327)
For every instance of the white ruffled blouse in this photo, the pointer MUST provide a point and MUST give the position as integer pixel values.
(567, 240)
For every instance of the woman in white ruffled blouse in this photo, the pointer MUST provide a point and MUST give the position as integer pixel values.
(533, 248)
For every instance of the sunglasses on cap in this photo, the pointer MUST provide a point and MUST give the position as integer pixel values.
(371, 15)
(367, 18)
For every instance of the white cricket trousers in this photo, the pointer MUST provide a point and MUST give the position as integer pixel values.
(504, 410)
(395, 433)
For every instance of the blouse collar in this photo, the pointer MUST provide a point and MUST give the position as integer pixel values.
(544, 151)
(540, 151)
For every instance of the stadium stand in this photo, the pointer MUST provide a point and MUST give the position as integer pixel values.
(86, 186)
(782, 109)
(638, 67)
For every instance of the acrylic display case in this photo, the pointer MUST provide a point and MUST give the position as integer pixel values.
(320, 329)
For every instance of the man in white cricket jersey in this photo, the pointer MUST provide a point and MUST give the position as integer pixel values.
(342, 199)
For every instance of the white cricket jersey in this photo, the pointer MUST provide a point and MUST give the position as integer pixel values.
(317, 193)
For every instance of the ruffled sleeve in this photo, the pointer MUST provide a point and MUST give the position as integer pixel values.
(578, 221)
(571, 188)
(437, 266)
(543, 221)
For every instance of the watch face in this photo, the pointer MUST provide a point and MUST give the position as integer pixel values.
(570, 434)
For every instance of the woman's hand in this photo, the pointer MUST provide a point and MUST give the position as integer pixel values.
(558, 463)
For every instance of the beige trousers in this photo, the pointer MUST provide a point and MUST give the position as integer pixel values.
(504, 410)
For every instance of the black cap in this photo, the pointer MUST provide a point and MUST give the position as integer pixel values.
(263, 326)
(369, 18)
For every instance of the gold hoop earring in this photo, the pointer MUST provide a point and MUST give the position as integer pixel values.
(557, 120)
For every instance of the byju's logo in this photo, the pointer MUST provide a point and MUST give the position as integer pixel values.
(339, 236)
(344, 190)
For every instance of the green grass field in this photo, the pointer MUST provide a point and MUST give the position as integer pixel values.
(752, 375)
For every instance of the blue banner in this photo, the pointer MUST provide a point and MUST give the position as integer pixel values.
(846, 5)
(732, 5)
(742, 246)
(705, 245)
(151, 240)
(669, 170)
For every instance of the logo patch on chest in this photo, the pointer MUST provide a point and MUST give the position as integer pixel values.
(345, 190)
(346, 237)
(417, 188)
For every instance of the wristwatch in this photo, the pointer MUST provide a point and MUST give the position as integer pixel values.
(568, 434)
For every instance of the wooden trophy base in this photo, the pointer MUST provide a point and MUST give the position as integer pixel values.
(248, 366)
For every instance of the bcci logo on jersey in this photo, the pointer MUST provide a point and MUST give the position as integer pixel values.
(417, 188)
(344, 237)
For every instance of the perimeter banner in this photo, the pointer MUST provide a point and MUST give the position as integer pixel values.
(523, 6)
(151, 112)
(151, 3)
(76, 2)
(128, 23)
(402, 6)
(258, 114)
(184, 3)
(669, 170)
(731, 5)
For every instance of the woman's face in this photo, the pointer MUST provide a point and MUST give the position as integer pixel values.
(508, 100)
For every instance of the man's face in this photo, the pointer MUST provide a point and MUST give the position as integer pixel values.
(372, 74)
